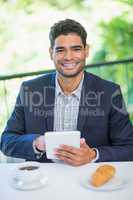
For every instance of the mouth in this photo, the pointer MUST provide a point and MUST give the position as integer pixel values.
(69, 65)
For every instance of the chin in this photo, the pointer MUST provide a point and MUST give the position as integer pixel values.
(70, 75)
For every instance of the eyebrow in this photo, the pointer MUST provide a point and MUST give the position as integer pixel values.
(72, 47)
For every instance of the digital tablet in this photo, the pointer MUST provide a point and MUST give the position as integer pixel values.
(54, 139)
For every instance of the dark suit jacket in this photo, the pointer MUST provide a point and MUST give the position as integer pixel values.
(102, 120)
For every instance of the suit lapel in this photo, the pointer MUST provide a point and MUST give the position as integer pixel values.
(81, 115)
(83, 107)
(50, 100)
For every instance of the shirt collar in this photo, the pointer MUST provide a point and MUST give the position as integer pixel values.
(76, 92)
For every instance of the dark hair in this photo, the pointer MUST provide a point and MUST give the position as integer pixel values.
(64, 27)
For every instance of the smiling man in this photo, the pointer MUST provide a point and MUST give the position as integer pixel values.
(69, 54)
(68, 100)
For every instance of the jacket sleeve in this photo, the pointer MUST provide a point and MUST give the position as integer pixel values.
(14, 141)
(120, 132)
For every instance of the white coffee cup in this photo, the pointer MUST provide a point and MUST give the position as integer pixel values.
(28, 172)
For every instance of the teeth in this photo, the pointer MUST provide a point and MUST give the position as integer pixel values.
(69, 65)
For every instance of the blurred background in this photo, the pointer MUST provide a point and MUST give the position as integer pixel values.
(24, 42)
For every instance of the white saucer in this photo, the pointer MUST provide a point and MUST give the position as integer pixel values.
(20, 185)
(114, 184)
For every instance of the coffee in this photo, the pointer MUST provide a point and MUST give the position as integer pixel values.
(29, 168)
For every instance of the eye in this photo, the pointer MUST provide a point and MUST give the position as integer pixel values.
(59, 50)
(77, 49)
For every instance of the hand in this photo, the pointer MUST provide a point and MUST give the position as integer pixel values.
(75, 156)
(39, 143)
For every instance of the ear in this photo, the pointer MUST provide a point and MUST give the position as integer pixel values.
(51, 53)
(87, 50)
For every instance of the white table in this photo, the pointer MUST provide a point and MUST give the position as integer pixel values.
(63, 184)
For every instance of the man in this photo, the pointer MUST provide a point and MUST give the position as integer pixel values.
(69, 100)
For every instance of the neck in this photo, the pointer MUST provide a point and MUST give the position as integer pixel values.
(68, 85)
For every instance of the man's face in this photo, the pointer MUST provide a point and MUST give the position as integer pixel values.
(69, 55)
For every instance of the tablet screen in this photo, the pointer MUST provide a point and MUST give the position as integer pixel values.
(54, 139)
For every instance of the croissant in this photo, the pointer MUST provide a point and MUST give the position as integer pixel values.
(102, 175)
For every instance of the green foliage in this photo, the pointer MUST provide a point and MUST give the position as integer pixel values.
(131, 117)
(130, 2)
(117, 39)
(59, 4)
(63, 4)
(117, 36)
(117, 43)
(25, 4)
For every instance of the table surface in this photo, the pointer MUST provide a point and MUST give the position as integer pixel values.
(64, 183)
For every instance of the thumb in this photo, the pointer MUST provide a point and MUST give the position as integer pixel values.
(83, 143)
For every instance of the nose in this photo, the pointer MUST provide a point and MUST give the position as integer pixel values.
(68, 55)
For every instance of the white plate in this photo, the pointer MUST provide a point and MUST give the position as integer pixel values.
(114, 184)
(20, 185)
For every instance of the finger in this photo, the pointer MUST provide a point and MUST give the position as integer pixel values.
(41, 147)
(64, 154)
(69, 149)
(69, 161)
(82, 140)
(83, 143)
(39, 143)
(75, 159)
